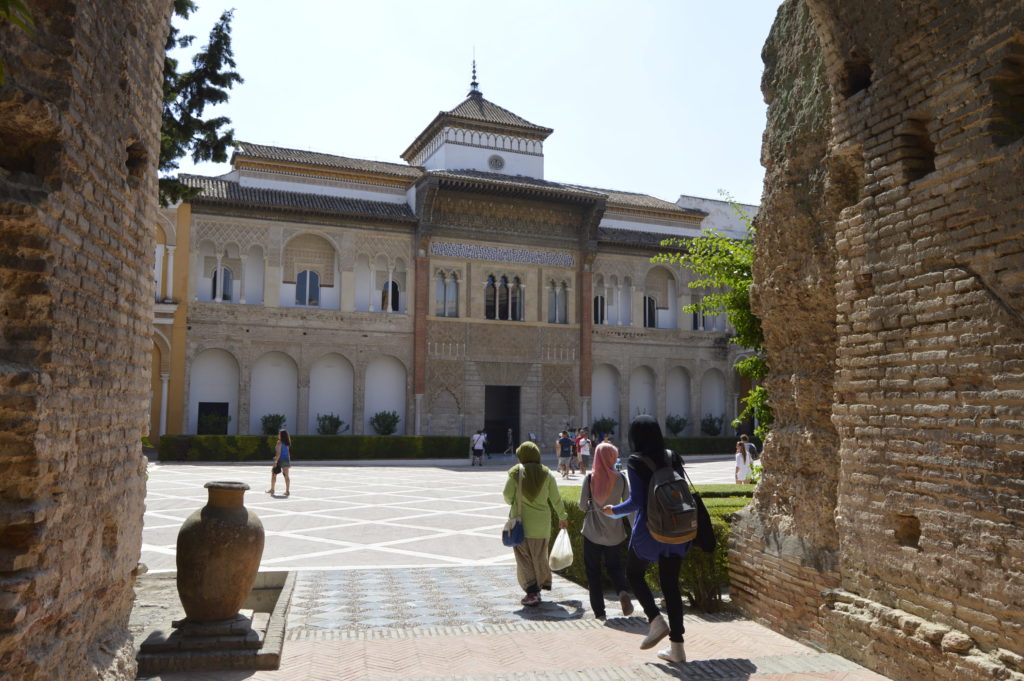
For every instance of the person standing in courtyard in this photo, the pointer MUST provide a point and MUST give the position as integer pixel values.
(583, 447)
(603, 536)
(282, 462)
(743, 463)
(649, 454)
(563, 446)
(532, 484)
(478, 442)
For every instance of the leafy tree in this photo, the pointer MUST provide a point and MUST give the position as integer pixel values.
(725, 265)
(186, 96)
(16, 13)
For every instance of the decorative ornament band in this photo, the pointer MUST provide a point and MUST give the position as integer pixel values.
(499, 254)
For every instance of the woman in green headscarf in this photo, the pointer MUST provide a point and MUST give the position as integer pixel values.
(539, 497)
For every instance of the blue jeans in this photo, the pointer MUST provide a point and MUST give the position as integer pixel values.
(592, 556)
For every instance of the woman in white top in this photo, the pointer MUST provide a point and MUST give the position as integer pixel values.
(743, 463)
(603, 536)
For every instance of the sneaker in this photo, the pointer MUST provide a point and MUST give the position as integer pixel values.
(657, 630)
(602, 617)
(626, 603)
(674, 652)
(531, 599)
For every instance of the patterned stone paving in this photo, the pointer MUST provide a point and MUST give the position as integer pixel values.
(400, 575)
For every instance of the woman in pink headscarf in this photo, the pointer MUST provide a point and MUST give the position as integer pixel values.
(603, 536)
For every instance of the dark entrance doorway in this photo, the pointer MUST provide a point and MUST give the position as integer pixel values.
(501, 412)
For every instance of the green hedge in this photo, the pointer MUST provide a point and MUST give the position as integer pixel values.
(702, 577)
(312, 447)
(686, 446)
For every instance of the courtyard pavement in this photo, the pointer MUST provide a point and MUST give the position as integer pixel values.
(401, 575)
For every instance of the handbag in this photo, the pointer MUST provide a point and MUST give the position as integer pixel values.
(276, 469)
(513, 533)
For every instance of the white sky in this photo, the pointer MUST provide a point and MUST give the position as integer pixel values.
(654, 96)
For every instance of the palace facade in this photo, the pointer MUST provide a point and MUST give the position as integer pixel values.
(461, 290)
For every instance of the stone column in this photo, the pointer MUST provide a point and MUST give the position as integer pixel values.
(419, 333)
(158, 272)
(164, 380)
(219, 275)
(241, 281)
(169, 276)
(302, 415)
(586, 341)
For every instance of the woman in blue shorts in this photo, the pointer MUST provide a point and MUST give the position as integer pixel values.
(282, 462)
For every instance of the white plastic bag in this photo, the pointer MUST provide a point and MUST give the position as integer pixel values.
(561, 552)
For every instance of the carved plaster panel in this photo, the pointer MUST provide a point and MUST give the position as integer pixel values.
(501, 254)
(446, 340)
(503, 373)
(446, 376)
(244, 235)
(560, 379)
(501, 215)
(372, 246)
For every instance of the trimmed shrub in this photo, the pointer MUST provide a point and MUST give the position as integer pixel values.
(330, 424)
(385, 422)
(675, 424)
(272, 424)
(702, 577)
(711, 425)
(311, 447)
(688, 446)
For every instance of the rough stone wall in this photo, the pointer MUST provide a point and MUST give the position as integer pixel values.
(785, 548)
(79, 124)
(921, 203)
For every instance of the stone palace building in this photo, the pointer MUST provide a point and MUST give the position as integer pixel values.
(461, 290)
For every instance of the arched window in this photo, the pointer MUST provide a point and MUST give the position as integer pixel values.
(552, 303)
(490, 299)
(599, 310)
(389, 297)
(558, 303)
(307, 288)
(446, 295)
(503, 299)
(517, 300)
(439, 292)
(451, 297)
(226, 293)
(650, 313)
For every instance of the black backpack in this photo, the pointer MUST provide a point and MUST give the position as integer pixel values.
(671, 508)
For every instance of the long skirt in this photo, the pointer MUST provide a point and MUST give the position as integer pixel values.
(532, 569)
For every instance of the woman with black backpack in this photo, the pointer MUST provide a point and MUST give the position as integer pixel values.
(649, 454)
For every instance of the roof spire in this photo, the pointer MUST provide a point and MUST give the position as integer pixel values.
(474, 87)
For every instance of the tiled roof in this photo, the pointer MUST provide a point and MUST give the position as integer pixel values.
(260, 151)
(225, 192)
(476, 108)
(644, 201)
(515, 182)
(634, 238)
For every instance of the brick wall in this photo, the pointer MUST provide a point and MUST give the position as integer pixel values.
(79, 123)
(918, 197)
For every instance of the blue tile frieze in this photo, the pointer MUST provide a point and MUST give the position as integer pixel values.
(501, 254)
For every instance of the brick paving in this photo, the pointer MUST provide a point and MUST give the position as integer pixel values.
(400, 575)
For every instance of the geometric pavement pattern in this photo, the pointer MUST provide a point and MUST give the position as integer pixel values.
(400, 574)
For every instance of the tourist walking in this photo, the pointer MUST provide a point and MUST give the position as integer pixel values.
(603, 536)
(282, 462)
(649, 454)
(743, 463)
(532, 484)
(583, 447)
(563, 446)
(478, 441)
